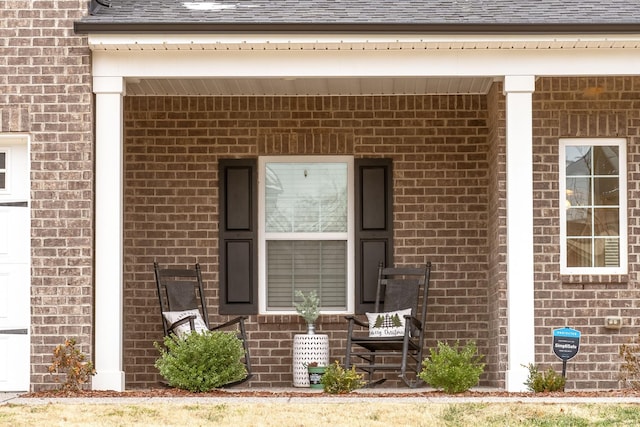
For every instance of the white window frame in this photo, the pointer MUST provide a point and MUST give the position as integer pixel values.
(6, 170)
(621, 143)
(263, 236)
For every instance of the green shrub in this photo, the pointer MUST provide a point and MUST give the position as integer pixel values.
(70, 361)
(544, 382)
(454, 369)
(630, 368)
(201, 361)
(337, 380)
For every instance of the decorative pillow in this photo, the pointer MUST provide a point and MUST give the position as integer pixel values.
(173, 316)
(388, 324)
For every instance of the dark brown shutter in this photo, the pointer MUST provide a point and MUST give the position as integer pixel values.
(238, 206)
(374, 226)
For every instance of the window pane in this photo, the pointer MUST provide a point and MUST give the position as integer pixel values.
(579, 253)
(605, 160)
(3, 160)
(578, 222)
(306, 265)
(579, 191)
(606, 222)
(3, 184)
(306, 197)
(607, 252)
(578, 160)
(605, 191)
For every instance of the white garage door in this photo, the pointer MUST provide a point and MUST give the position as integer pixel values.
(14, 264)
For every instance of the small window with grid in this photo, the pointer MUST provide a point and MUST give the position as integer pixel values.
(593, 206)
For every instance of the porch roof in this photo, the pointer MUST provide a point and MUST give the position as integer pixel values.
(460, 46)
(401, 16)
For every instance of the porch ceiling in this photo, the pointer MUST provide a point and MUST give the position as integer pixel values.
(291, 86)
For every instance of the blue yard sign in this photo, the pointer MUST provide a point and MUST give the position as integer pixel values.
(566, 342)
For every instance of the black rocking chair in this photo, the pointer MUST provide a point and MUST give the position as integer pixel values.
(393, 337)
(183, 308)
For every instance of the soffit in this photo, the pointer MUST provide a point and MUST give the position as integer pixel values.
(306, 86)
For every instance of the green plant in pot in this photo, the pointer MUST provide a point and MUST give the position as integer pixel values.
(315, 374)
(308, 309)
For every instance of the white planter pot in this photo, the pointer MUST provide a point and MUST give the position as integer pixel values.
(307, 349)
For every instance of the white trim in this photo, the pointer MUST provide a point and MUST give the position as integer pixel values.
(622, 170)
(520, 283)
(7, 170)
(109, 84)
(365, 63)
(109, 235)
(358, 41)
(262, 274)
(18, 265)
(8, 140)
(519, 84)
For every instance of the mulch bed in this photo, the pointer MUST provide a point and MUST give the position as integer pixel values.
(172, 392)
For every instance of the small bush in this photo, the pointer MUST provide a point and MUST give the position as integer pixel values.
(337, 380)
(630, 368)
(539, 382)
(453, 369)
(70, 361)
(201, 361)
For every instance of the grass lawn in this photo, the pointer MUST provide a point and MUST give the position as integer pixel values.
(352, 414)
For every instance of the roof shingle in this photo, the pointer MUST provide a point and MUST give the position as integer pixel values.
(371, 12)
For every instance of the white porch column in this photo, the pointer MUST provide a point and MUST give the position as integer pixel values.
(520, 304)
(108, 239)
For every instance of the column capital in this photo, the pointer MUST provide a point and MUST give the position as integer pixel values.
(519, 84)
(113, 84)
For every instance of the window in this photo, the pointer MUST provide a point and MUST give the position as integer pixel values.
(3, 170)
(245, 232)
(305, 231)
(593, 197)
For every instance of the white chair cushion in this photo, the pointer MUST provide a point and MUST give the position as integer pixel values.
(387, 324)
(174, 316)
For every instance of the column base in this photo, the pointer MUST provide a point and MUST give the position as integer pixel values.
(515, 379)
(109, 380)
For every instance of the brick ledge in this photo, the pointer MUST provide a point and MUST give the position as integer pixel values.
(595, 279)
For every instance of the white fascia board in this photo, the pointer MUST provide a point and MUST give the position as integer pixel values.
(360, 41)
(366, 63)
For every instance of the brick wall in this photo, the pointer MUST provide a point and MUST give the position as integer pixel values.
(449, 178)
(172, 146)
(496, 360)
(586, 107)
(45, 92)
